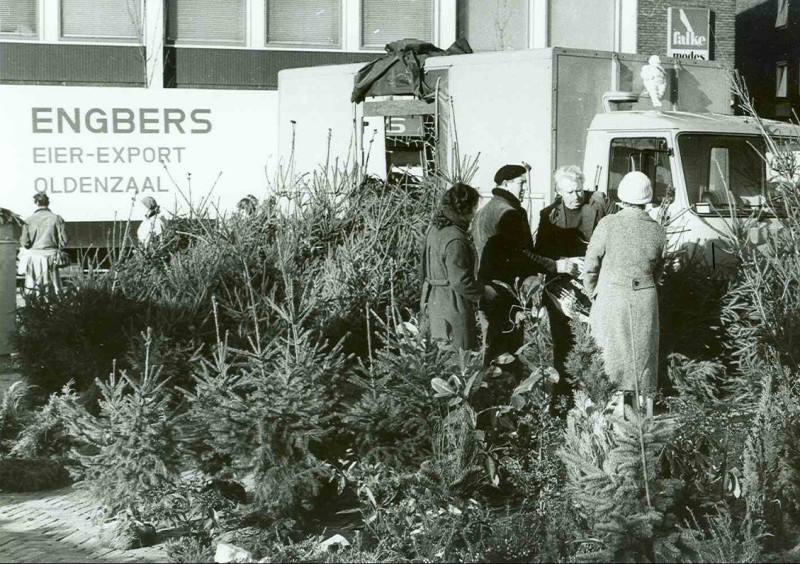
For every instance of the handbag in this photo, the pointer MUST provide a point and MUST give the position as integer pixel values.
(62, 259)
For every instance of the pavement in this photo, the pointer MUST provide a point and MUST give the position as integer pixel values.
(56, 526)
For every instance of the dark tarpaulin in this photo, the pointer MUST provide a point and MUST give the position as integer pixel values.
(400, 71)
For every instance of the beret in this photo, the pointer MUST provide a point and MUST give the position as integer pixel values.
(509, 172)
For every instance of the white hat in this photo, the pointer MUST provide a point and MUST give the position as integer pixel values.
(635, 188)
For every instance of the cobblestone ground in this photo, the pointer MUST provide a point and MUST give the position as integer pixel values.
(55, 526)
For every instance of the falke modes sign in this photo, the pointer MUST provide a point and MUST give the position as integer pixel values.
(689, 33)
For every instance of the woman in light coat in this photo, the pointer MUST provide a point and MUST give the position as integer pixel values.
(622, 265)
(43, 236)
(152, 226)
(450, 291)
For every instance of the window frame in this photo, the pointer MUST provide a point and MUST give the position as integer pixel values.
(372, 48)
(104, 40)
(706, 175)
(782, 15)
(283, 45)
(669, 151)
(781, 85)
(6, 36)
(212, 44)
(462, 30)
(49, 30)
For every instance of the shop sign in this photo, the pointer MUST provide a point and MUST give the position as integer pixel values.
(689, 32)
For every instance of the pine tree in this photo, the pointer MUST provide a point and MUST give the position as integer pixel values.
(395, 414)
(611, 478)
(133, 447)
(272, 411)
(771, 471)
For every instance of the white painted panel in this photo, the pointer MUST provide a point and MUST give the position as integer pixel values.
(128, 142)
(315, 105)
(503, 111)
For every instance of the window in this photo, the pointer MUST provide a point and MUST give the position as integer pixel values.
(206, 21)
(494, 25)
(304, 22)
(782, 17)
(780, 80)
(118, 20)
(649, 155)
(19, 18)
(385, 21)
(723, 170)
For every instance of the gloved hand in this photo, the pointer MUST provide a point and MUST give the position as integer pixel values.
(489, 293)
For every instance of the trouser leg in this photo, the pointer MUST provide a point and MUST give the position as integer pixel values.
(563, 340)
(500, 335)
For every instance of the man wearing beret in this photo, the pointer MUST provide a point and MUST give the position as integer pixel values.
(502, 236)
(565, 228)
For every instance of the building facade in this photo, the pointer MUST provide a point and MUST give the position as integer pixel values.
(653, 26)
(109, 97)
(768, 55)
(242, 44)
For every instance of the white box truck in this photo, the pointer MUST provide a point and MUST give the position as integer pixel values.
(552, 107)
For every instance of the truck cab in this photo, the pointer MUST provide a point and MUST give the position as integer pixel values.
(707, 171)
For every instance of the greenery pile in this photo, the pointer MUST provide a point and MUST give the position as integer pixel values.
(353, 246)
(308, 372)
(28, 463)
(14, 414)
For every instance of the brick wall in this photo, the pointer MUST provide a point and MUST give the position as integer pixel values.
(652, 26)
(760, 46)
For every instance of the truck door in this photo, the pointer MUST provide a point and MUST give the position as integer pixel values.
(655, 157)
(650, 155)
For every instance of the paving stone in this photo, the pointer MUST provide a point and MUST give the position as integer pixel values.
(57, 526)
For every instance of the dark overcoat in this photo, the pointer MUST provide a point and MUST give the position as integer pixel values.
(449, 289)
(503, 240)
(555, 241)
(622, 266)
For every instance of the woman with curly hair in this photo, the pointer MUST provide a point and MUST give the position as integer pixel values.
(450, 290)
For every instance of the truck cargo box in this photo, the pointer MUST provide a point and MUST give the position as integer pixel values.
(501, 107)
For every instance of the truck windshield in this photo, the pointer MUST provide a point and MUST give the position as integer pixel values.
(725, 171)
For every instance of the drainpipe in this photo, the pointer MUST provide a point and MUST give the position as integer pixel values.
(153, 39)
(617, 47)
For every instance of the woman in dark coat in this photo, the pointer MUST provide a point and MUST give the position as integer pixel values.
(450, 291)
(622, 266)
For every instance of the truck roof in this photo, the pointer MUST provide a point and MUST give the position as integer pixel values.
(687, 121)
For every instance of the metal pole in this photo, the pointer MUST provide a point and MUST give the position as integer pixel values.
(617, 47)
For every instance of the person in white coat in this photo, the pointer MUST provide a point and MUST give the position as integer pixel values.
(152, 226)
